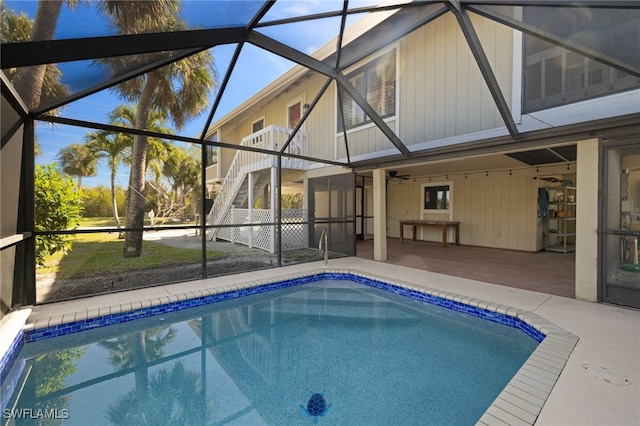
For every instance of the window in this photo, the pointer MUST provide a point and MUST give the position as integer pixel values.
(436, 197)
(294, 114)
(376, 82)
(554, 76)
(211, 152)
(258, 125)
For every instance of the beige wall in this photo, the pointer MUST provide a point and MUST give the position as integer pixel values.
(369, 139)
(499, 210)
(442, 92)
(459, 103)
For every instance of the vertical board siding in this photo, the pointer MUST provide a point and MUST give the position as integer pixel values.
(499, 210)
(441, 93)
(321, 124)
(460, 103)
(365, 141)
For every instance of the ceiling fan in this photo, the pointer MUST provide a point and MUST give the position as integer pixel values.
(393, 174)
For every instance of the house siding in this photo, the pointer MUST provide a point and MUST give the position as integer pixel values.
(499, 210)
(442, 92)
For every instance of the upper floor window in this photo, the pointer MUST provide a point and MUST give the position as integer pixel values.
(376, 82)
(555, 76)
(258, 125)
(211, 152)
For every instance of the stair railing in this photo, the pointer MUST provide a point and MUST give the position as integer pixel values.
(269, 138)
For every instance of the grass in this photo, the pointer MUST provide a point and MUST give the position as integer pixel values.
(93, 254)
(91, 222)
(104, 222)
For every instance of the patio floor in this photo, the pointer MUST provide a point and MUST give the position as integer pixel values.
(545, 272)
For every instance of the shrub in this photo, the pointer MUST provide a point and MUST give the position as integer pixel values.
(58, 207)
(97, 201)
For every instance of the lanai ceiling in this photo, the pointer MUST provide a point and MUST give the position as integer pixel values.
(81, 39)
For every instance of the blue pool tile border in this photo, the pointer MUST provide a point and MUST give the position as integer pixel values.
(122, 317)
(9, 357)
(512, 406)
(450, 304)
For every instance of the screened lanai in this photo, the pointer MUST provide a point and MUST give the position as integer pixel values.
(111, 165)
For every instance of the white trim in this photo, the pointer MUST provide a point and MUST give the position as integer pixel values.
(367, 126)
(424, 211)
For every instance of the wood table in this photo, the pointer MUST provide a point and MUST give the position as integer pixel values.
(444, 224)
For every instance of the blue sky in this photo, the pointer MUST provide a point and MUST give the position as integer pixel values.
(255, 68)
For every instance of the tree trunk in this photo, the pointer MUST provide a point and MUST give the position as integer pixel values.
(137, 181)
(114, 203)
(28, 82)
(141, 374)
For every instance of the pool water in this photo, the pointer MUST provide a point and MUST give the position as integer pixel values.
(378, 358)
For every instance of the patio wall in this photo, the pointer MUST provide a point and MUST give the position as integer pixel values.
(498, 210)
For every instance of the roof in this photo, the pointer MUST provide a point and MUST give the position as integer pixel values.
(84, 36)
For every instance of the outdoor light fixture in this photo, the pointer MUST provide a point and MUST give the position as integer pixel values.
(305, 109)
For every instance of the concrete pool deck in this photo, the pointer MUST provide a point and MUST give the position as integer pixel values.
(599, 385)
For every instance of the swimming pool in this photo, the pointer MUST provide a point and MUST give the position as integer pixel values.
(261, 359)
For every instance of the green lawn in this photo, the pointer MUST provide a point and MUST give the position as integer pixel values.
(103, 222)
(102, 253)
(90, 222)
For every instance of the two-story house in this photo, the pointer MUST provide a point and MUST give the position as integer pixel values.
(520, 123)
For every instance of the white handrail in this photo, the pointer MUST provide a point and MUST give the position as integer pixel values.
(270, 138)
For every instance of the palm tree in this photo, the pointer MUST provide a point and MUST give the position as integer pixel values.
(36, 84)
(183, 170)
(171, 400)
(136, 350)
(180, 89)
(78, 160)
(158, 150)
(114, 147)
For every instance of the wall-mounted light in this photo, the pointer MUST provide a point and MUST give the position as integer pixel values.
(305, 109)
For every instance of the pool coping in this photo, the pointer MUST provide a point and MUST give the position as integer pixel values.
(520, 402)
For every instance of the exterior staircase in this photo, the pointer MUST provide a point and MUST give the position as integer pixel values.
(261, 179)
(234, 192)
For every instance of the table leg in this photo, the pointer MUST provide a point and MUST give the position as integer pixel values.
(457, 235)
(401, 236)
(414, 231)
(444, 236)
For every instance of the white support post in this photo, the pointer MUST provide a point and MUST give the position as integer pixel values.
(233, 220)
(274, 178)
(250, 207)
(587, 221)
(379, 215)
(306, 197)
